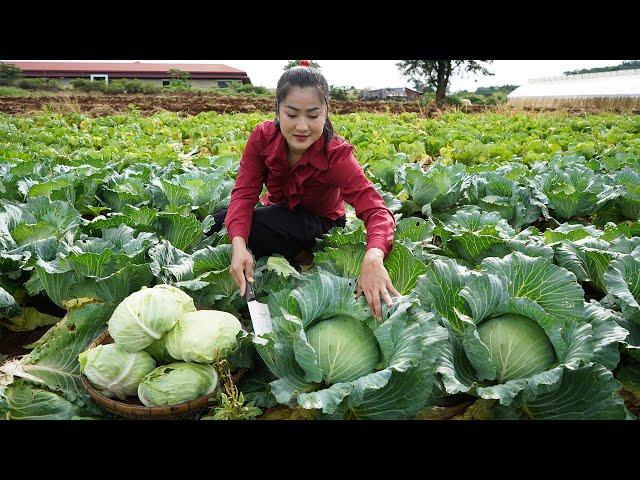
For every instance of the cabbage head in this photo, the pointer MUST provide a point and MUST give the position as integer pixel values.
(144, 316)
(176, 383)
(158, 350)
(199, 336)
(345, 347)
(518, 346)
(114, 371)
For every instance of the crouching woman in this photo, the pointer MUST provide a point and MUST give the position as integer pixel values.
(309, 173)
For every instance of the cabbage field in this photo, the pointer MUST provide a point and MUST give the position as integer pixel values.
(517, 253)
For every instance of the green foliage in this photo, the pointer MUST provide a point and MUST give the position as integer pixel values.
(125, 86)
(116, 86)
(295, 63)
(234, 409)
(9, 73)
(178, 74)
(488, 91)
(231, 402)
(626, 65)
(494, 95)
(338, 93)
(151, 88)
(179, 80)
(85, 85)
(38, 84)
(248, 88)
(7, 91)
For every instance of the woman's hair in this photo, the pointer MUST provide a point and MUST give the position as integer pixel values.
(305, 77)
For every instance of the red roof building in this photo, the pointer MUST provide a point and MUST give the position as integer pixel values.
(203, 74)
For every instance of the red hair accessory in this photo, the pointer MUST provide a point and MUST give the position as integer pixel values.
(304, 63)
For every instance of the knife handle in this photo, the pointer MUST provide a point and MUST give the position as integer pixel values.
(249, 293)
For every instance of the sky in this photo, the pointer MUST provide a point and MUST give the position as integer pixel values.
(374, 74)
(385, 73)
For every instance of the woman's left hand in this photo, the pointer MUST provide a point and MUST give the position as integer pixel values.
(374, 282)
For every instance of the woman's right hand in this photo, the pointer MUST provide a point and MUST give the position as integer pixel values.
(241, 263)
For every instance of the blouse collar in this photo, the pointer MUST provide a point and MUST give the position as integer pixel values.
(315, 154)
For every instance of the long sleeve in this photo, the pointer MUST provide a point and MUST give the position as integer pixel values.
(246, 191)
(360, 193)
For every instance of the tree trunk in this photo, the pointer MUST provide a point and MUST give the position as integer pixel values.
(441, 87)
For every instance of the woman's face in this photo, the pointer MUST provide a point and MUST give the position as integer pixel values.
(302, 114)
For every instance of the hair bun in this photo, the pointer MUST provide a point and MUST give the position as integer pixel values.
(304, 63)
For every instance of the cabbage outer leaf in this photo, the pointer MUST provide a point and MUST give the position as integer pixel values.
(586, 393)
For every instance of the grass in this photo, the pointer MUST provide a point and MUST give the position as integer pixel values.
(13, 92)
(6, 91)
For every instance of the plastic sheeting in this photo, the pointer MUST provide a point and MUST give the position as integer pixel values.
(623, 83)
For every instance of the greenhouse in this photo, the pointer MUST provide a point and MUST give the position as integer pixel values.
(619, 89)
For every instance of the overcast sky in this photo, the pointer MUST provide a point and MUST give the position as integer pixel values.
(385, 73)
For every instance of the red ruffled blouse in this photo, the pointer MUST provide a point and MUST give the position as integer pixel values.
(320, 183)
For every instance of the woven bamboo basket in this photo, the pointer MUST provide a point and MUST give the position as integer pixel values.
(133, 408)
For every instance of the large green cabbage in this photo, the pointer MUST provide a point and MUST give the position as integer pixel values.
(518, 346)
(177, 383)
(346, 349)
(520, 333)
(328, 353)
(144, 316)
(114, 371)
(202, 335)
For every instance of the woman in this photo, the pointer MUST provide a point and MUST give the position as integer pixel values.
(309, 173)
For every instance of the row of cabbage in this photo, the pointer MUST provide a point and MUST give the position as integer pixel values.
(469, 139)
(84, 223)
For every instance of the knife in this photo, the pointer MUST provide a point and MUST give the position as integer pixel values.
(259, 312)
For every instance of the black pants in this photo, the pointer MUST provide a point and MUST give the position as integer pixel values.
(276, 229)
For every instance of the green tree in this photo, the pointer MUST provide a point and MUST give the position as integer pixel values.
(295, 63)
(338, 93)
(9, 73)
(487, 91)
(436, 73)
(626, 65)
(179, 79)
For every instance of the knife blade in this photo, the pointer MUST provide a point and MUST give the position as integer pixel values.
(259, 312)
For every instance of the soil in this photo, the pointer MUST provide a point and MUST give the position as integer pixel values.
(195, 102)
(98, 104)
(631, 401)
(12, 343)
